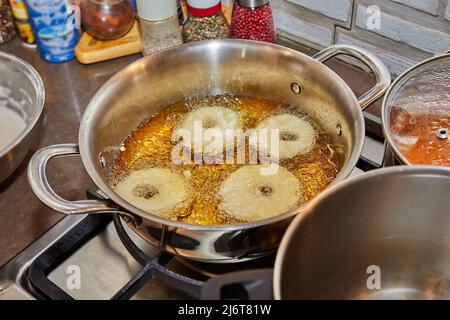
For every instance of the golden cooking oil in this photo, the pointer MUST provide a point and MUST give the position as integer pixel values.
(150, 145)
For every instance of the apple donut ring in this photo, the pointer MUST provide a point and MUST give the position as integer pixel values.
(297, 135)
(209, 118)
(157, 191)
(248, 195)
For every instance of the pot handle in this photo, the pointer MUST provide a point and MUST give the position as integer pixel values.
(378, 68)
(38, 181)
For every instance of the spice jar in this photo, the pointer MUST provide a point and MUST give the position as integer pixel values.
(107, 19)
(7, 30)
(205, 21)
(22, 20)
(252, 19)
(158, 20)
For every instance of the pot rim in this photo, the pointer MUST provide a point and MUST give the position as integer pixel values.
(40, 100)
(354, 153)
(385, 109)
(423, 170)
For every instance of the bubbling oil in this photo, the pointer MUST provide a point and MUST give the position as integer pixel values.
(150, 146)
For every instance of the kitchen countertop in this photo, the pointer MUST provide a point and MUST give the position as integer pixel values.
(69, 87)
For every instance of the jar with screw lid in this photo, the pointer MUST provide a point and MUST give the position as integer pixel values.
(205, 21)
(158, 21)
(252, 19)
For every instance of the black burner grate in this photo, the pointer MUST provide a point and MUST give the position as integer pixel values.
(92, 225)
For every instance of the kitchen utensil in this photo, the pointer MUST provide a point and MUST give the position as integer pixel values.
(416, 114)
(393, 222)
(238, 67)
(21, 92)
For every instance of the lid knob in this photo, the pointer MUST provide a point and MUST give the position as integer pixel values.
(442, 133)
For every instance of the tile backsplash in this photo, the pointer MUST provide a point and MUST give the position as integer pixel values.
(400, 32)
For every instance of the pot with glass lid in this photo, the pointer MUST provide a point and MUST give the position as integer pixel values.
(142, 136)
(416, 115)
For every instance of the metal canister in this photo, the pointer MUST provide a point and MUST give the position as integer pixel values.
(22, 21)
(54, 27)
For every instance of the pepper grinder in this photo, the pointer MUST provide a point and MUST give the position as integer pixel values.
(205, 21)
(252, 19)
(158, 21)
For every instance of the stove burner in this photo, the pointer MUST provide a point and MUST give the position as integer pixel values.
(212, 270)
(153, 267)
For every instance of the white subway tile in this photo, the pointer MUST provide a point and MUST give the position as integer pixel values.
(396, 57)
(336, 9)
(300, 28)
(409, 32)
(429, 6)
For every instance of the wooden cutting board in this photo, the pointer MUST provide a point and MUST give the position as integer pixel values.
(90, 50)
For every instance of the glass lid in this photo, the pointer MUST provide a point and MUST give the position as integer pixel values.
(418, 113)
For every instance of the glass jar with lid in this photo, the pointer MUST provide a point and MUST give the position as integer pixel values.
(107, 19)
(160, 29)
(252, 19)
(205, 21)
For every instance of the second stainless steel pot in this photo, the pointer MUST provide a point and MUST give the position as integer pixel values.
(424, 89)
(225, 66)
(381, 235)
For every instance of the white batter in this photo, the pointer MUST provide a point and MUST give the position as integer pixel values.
(11, 125)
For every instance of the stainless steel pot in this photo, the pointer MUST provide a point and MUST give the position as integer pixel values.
(22, 90)
(381, 235)
(203, 68)
(422, 83)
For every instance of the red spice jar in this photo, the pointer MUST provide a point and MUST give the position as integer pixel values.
(252, 19)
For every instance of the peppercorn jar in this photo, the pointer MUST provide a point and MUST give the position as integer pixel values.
(252, 19)
(7, 28)
(158, 21)
(205, 21)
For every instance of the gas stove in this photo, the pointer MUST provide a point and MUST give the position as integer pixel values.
(96, 257)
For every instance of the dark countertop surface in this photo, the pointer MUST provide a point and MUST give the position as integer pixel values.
(69, 87)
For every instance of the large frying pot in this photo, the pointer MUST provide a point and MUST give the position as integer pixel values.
(225, 66)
